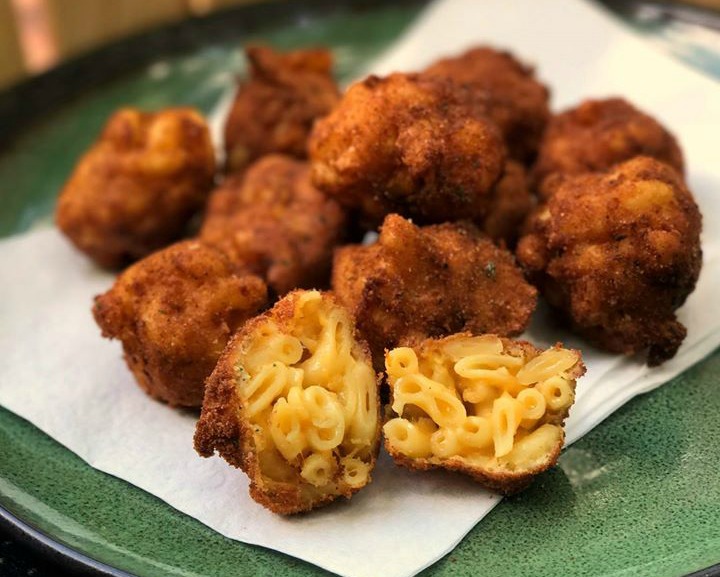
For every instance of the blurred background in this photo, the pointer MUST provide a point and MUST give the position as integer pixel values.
(38, 34)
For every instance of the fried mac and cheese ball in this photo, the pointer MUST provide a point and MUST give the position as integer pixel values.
(598, 134)
(275, 109)
(274, 223)
(618, 253)
(504, 89)
(294, 403)
(137, 187)
(419, 282)
(407, 145)
(174, 312)
(485, 406)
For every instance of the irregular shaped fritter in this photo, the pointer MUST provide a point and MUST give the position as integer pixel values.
(485, 406)
(598, 134)
(433, 281)
(294, 403)
(275, 109)
(174, 312)
(407, 145)
(137, 187)
(618, 253)
(504, 89)
(274, 223)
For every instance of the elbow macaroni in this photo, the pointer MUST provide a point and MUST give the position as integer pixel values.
(309, 398)
(489, 404)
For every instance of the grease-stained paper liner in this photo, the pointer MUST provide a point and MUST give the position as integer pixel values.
(59, 374)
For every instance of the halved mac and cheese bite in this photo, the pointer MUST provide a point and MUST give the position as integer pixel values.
(294, 403)
(486, 406)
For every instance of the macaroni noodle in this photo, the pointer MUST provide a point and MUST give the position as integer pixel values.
(482, 399)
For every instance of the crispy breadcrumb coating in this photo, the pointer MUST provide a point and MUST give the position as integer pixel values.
(407, 145)
(275, 108)
(510, 205)
(505, 90)
(274, 223)
(598, 134)
(137, 187)
(294, 403)
(618, 252)
(174, 311)
(419, 282)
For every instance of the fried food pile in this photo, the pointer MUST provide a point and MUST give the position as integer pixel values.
(598, 134)
(174, 312)
(273, 222)
(294, 403)
(419, 282)
(274, 109)
(485, 406)
(505, 90)
(456, 166)
(618, 252)
(137, 187)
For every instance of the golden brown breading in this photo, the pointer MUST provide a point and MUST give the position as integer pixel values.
(504, 89)
(135, 190)
(484, 406)
(407, 145)
(511, 203)
(294, 403)
(596, 135)
(174, 311)
(618, 253)
(274, 223)
(275, 109)
(437, 280)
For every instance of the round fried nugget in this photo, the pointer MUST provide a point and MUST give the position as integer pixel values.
(274, 223)
(598, 134)
(618, 253)
(433, 281)
(174, 311)
(485, 406)
(135, 190)
(294, 403)
(275, 109)
(407, 145)
(504, 89)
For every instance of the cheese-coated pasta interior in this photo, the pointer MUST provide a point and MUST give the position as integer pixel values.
(476, 399)
(310, 398)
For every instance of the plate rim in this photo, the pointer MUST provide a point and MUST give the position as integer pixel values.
(52, 549)
(15, 95)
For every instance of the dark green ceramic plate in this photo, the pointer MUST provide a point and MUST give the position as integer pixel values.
(640, 495)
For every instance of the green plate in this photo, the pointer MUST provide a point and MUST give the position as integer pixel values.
(639, 495)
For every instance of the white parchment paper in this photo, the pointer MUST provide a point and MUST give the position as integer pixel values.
(59, 374)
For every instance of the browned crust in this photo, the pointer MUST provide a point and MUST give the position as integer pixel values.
(617, 275)
(598, 134)
(221, 429)
(503, 482)
(135, 190)
(274, 223)
(407, 145)
(503, 88)
(173, 312)
(274, 110)
(419, 282)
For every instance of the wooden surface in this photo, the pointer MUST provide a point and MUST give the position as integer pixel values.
(11, 62)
